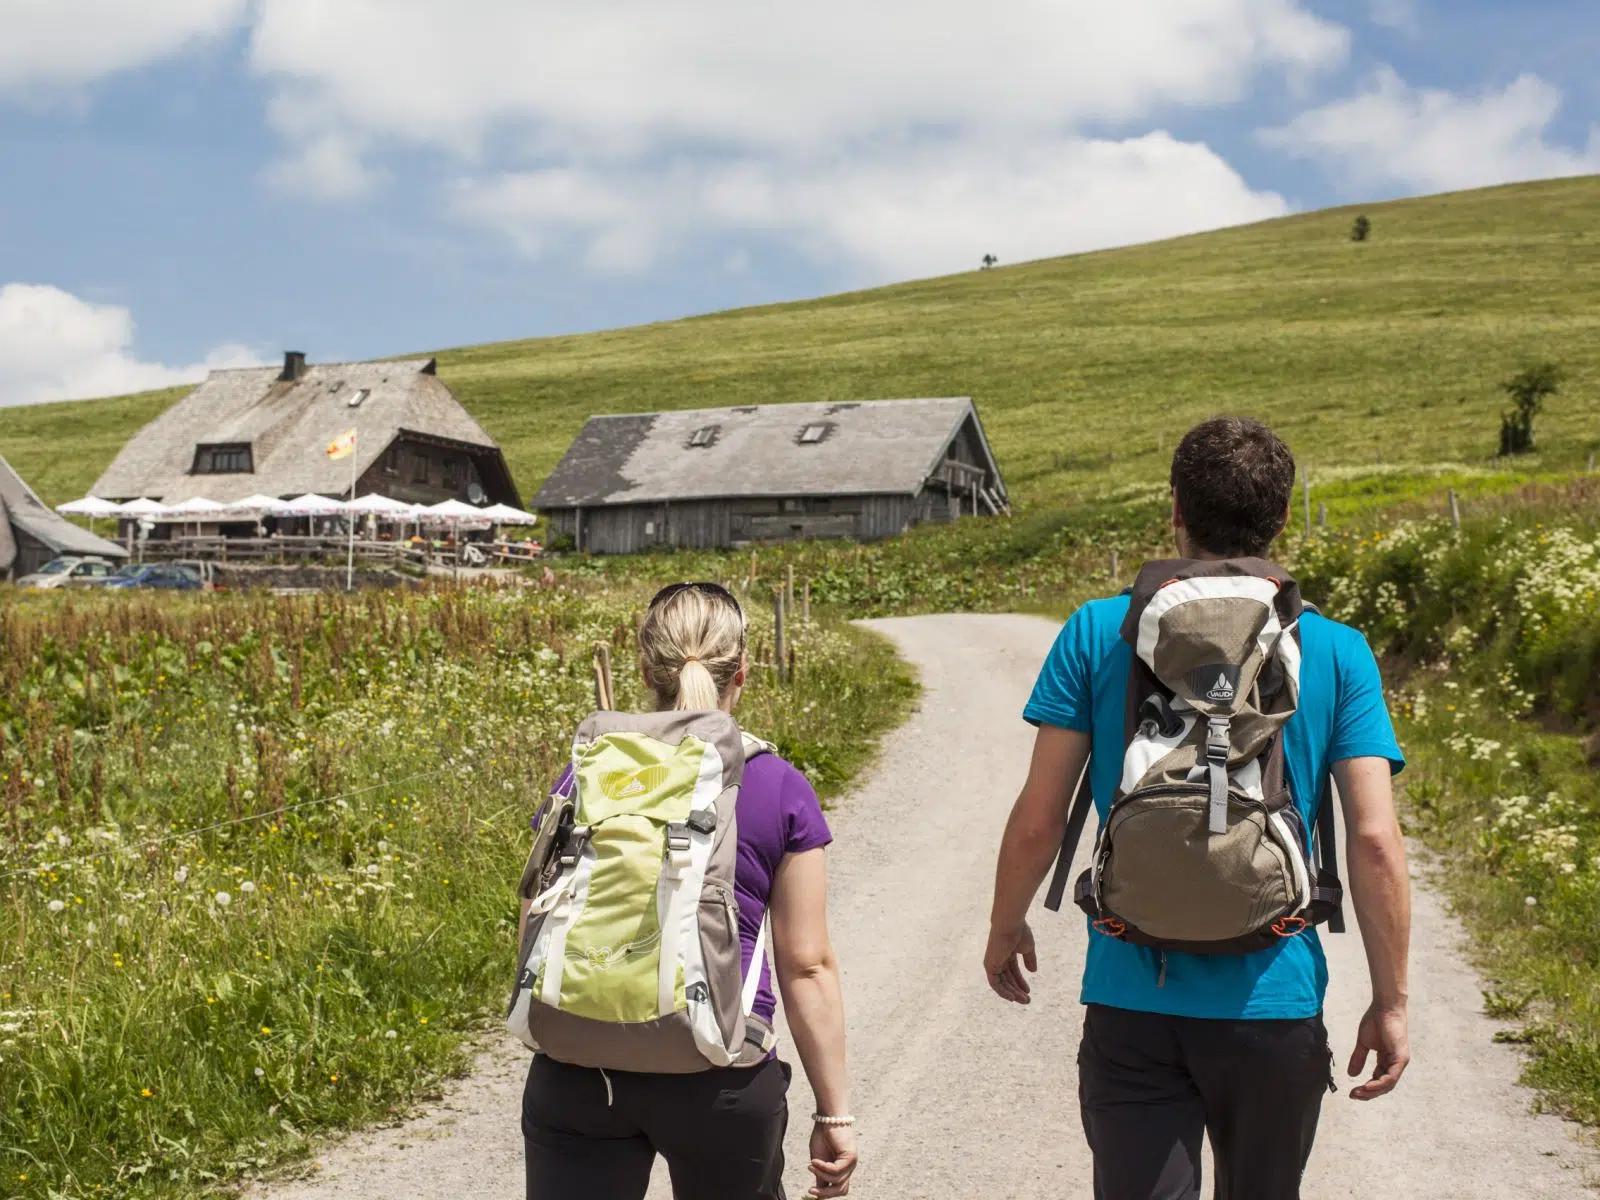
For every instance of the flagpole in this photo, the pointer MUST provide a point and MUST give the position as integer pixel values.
(350, 556)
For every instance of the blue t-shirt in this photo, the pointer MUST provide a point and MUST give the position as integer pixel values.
(1083, 685)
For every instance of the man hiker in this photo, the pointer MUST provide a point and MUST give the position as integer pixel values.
(1211, 710)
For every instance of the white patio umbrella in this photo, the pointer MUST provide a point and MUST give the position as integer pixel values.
(380, 506)
(255, 506)
(141, 508)
(196, 509)
(450, 512)
(91, 507)
(312, 505)
(504, 514)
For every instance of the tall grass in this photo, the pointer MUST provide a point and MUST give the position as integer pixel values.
(259, 854)
(1492, 640)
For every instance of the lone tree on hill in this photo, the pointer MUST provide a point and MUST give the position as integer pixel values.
(1527, 389)
(989, 260)
(1360, 230)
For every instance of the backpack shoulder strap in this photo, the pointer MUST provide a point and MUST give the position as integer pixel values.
(754, 746)
(1328, 889)
(1077, 816)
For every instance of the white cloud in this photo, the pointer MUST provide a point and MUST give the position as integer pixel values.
(912, 210)
(56, 43)
(1431, 139)
(54, 346)
(327, 168)
(612, 76)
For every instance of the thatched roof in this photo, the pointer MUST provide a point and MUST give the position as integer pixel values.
(21, 510)
(288, 424)
(884, 447)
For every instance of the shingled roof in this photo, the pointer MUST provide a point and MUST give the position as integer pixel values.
(288, 423)
(20, 508)
(883, 447)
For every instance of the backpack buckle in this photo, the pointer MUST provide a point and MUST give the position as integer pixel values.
(1217, 740)
(678, 844)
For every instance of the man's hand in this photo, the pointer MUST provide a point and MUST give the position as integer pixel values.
(833, 1160)
(1000, 963)
(1382, 1033)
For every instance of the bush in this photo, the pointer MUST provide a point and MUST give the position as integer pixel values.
(1528, 390)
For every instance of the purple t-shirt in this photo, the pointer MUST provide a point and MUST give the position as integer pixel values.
(778, 814)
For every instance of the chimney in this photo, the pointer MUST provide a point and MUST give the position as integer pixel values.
(294, 366)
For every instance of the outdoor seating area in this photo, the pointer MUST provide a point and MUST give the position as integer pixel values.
(373, 527)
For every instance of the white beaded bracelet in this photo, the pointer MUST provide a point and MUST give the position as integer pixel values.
(832, 1122)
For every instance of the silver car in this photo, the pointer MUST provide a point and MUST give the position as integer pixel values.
(69, 571)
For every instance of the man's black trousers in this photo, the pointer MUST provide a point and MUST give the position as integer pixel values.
(1151, 1085)
(592, 1135)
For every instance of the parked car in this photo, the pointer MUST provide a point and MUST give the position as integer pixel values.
(210, 578)
(69, 571)
(173, 577)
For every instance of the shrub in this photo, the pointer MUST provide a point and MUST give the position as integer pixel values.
(1527, 389)
(1361, 230)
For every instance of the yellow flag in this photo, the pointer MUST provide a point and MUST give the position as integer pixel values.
(344, 445)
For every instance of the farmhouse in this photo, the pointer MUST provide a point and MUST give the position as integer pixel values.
(31, 534)
(726, 476)
(264, 430)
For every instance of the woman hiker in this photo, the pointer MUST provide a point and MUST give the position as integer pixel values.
(592, 1133)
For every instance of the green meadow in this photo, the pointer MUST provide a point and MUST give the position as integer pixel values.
(1379, 361)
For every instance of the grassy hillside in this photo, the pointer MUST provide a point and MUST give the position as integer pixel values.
(1379, 361)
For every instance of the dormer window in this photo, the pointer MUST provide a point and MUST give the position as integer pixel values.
(706, 435)
(227, 458)
(810, 435)
(357, 396)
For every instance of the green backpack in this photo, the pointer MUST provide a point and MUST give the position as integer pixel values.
(631, 958)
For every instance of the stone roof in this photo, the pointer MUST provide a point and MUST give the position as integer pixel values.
(288, 424)
(885, 447)
(22, 509)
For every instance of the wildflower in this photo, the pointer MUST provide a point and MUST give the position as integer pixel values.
(390, 1034)
(146, 1093)
(181, 876)
(260, 1074)
(246, 888)
(1530, 901)
(56, 906)
(333, 1079)
(266, 1029)
(424, 1020)
(222, 899)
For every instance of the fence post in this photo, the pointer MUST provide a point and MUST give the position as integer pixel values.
(779, 642)
(788, 587)
(805, 603)
(750, 580)
(1455, 509)
(602, 678)
(1322, 515)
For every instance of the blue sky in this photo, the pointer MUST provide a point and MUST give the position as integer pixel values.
(210, 181)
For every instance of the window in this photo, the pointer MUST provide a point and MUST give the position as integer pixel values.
(419, 467)
(706, 435)
(391, 461)
(790, 506)
(812, 434)
(357, 397)
(451, 473)
(228, 458)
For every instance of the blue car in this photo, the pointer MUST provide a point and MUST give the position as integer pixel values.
(173, 577)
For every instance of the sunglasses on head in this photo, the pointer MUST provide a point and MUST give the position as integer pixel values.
(705, 589)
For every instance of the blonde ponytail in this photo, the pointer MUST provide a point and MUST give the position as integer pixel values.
(691, 645)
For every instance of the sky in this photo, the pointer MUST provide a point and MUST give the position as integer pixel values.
(189, 184)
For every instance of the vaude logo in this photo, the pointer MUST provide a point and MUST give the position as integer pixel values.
(1221, 691)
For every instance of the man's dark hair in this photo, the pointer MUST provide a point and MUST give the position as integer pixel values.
(1233, 478)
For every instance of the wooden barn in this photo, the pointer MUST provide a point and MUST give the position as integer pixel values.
(31, 534)
(265, 430)
(727, 476)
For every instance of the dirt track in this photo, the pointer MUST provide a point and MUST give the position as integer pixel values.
(961, 1095)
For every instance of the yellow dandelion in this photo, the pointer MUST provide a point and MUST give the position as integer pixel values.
(266, 1029)
(146, 1093)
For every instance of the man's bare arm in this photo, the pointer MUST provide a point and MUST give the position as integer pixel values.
(1032, 837)
(1380, 892)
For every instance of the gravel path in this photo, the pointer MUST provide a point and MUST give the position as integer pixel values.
(962, 1095)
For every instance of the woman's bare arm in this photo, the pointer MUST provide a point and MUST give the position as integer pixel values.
(808, 977)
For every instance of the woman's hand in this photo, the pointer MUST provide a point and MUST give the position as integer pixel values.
(833, 1160)
(1000, 963)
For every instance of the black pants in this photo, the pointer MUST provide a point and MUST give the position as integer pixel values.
(594, 1136)
(1150, 1086)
